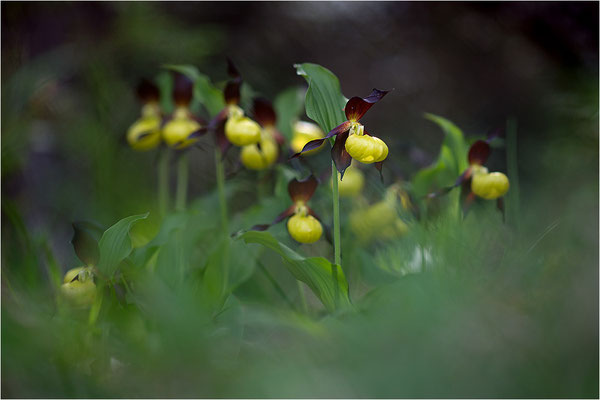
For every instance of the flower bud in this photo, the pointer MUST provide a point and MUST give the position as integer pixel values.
(303, 133)
(254, 158)
(489, 186)
(80, 292)
(366, 149)
(177, 130)
(144, 134)
(353, 182)
(304, 229)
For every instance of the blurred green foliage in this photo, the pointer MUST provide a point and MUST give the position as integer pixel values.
(475, 308)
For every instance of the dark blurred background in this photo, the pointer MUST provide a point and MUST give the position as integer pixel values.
(69, 72)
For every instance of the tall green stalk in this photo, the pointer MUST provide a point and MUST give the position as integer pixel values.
(220, 171)
(337, 245)
(163, 181)
(182, 182)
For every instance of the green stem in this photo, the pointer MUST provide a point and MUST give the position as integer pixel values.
(337, 245)
(163, 182)
(512, 206)
(220, 170)
(182, 182)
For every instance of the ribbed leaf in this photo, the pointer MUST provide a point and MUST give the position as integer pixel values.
(326, 280)
(324, 99)
(115, 244)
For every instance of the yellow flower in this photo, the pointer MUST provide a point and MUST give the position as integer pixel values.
(304, 228)
(353, 182)
(254, 158)
(486, 185)
(144, 134)
(79, 288)
(303, 133)
(364, 148)
(176, 132)
(239, 129)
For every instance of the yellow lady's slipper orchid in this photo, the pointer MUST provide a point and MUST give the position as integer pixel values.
(303, 133)
(254, 158)
(239, 129)
(351, 139)
(144, 134)
(304, 228)
(304, 225)
(176, 132)
(489, 185)
(78, 287)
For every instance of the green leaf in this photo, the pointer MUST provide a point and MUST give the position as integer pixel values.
(454, 140)
(326, 280)
(288, 106)
(436, 176)
(85, 241)
(115, 244)
(204, 91)
(324, 99)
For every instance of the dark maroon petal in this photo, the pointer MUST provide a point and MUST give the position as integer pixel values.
(218, 120)
(197, 133)
(263, 112)
(221, 139)
(232, 91)
(315, 144)
(379, 166)
(182, 90)
(479, 152)
(339, 155)
(231, 69)
(263, 227)
(147, 91)
(326, 228)
(302, 190)
(357, 106)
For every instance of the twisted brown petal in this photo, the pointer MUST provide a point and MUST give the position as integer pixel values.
(339, 155)
(182, 90)
(263, 227)
(479, 152)
(302, 190)
(315, 144)
(358, 106)
(147, 91)
(263, 112)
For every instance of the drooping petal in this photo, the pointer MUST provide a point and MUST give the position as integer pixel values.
(182, 90)
(147, 91)
(263, 227)
(302, 190)
(326, 228)
(479, 152)
(500, 206)
(463, 180)
(263, 112)
(315, 144)
(466, 201)
(358, 106)
(339, 155)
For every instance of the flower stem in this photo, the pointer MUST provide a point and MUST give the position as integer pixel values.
(220, 171)
(163, 182)
(302, 297)
(337, 245)
(182, 182)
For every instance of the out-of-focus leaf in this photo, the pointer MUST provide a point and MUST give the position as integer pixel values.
(85, 241)
(440, 174)
(324, 99)
(115, 244)
(317, 272)
(454, 140)
(288, 106)
(204, 91)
